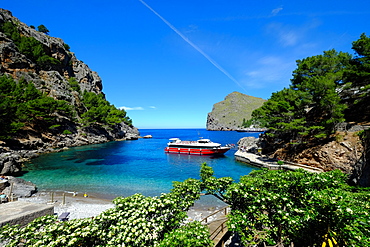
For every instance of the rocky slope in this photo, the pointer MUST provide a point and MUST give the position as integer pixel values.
(51, 79)
(230, 113)
(346, 151)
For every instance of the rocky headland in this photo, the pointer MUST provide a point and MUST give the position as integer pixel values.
(64, 78)
(230, 113)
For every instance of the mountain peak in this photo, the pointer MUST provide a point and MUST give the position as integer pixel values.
(230, 113)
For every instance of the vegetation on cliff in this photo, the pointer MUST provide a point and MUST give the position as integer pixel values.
(29, 46)
(325, 90)
(268, 208)
(45, 89)
(232, 112)
(21, 104)
(101, 111)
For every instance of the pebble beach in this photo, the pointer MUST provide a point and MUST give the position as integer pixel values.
(78, 206)
(85, 207)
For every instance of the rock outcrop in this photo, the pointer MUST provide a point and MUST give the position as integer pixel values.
(361, 171)
(249, 144)
(346, 151)
(18, 187)
(230, 113)
(341, 153)
(53, 79)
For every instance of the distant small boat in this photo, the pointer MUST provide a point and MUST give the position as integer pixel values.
(200, 147)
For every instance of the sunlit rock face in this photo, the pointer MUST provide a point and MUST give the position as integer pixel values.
(230, 113)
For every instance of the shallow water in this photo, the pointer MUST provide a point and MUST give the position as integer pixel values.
(127, 167)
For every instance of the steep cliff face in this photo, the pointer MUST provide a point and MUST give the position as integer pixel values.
(230, 113)
(53, 77)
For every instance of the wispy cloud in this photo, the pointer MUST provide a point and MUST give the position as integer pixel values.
(276, 11)
(287, 36)
(267, 70)
(137, 108)
(193, 45)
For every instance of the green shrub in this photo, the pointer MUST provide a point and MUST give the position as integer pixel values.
(67, 132)
(22, 104)
(74, 84)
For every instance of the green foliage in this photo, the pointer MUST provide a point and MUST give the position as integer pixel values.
(66, 46)
(359, 73)
(30, 47)
(43, 29)
(319, 78)
(268, 208)
(99, 110)
(284, 113)
(212, 185)
(67, 132)
(134, 221)
(322, 87)
(253, 122)
(189, 235)
(284, 207)
(8, 108)
(46, 62)
(54, 126)
(22, 104)
(312, 106)
(74, 84)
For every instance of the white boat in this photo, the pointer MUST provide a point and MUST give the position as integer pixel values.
(200, 147)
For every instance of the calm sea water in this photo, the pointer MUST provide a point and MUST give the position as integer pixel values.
(127, 167)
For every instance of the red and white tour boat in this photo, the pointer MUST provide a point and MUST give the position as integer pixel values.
(201, 147)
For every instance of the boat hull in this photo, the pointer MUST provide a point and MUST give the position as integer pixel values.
(197, 151)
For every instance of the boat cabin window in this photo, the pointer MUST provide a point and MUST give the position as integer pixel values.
(204, 141)
(174, 140)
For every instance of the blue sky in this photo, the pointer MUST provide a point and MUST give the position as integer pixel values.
(168, 62)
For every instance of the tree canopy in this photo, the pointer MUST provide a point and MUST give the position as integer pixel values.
(43, 29)
(321, 90)
(22, 104)
(101, 111)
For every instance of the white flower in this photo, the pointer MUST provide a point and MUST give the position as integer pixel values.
(349, 210)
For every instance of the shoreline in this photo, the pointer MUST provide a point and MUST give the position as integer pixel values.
(78, 206)
(86, 207)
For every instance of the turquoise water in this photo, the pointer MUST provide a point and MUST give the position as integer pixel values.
(127, 167)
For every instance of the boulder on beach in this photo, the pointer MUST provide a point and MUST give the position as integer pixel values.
(19, 187)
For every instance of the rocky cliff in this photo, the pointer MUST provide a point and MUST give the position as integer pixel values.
(230, 113)
(51, 74)
(348, 151)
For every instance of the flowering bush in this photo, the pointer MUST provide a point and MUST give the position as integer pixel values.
(135, 221)
(268, 208)
(307, 209)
